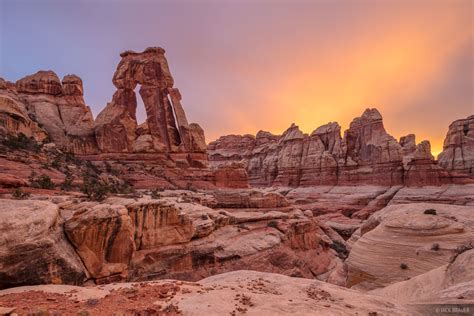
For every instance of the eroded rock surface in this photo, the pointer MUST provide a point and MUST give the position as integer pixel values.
(33, 248)
(233, 293)
(406, 240)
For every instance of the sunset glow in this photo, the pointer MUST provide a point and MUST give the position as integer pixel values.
(246, 66)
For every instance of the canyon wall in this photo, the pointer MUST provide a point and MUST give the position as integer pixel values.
(366, 154)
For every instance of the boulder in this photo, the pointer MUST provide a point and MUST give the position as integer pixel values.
(103, 237)
(33, 248)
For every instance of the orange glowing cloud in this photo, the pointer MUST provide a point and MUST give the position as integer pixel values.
(387, 68)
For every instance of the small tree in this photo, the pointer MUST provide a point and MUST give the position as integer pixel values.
(68, 181)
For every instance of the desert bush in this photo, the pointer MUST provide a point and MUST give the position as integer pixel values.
(93, 188)
(67, 184)
(41, 182)
(461, 249)
(204, 217)
(155, 194)
(403, 266)
(272, 223)
(430, 211)
(18, 194)
(21, 141)
(340, 249)
(435, 247)
(110, 169)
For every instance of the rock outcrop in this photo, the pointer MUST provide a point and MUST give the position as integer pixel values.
(41, 106)
(33, 248)
(167, 128)
(366, 154)
(165, 151)
(449, 282)
(60, 109)
(176, 236)
(458, 148)
(406, 240)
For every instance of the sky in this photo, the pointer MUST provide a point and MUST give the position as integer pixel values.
(244, 66)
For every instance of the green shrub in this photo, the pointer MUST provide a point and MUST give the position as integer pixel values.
(21, 142)
(67, 184)
(403, 266)
(430, 212)
(110, 169)
(41, 182)
(18, 194)
(93, 188)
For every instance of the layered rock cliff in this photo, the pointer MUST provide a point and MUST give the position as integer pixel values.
(366, 154)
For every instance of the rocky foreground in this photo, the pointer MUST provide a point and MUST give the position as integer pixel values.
(415, 253)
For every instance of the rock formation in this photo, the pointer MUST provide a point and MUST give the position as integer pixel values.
(41, 105)
(458, 148)
(406, 240)
(366, 154)
(167, 128)
(60, 109)
(165, 151)
(33, 248)
(176, 236)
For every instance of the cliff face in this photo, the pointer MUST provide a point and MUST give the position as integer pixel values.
(366, 154)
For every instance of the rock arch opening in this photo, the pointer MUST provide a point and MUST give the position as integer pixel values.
(140, 112)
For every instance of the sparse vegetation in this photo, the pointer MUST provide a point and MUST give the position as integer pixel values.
(461, 249)
(204, 217)
(272, 223)
(67, 184)
(340, 248)
(93, 188)
(18, 194)
(109, 169)
(155, 194)
(403, 266)
(21, 142)
(430, 211)
(41, 182)
(435, 247)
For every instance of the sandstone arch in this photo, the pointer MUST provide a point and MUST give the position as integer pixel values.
(166, 128)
